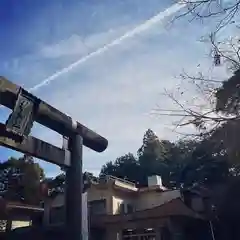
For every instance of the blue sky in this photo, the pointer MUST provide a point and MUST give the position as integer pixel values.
(113, 93)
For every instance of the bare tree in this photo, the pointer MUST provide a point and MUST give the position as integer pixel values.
(224, 11)
(216, 113)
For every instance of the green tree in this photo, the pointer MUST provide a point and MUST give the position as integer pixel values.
(204, 167)
(181, 156)
(154, 157)
(20, 180)
(228, 105)
(108, 169)
(184, 163)
(57, 184)
(126, 167)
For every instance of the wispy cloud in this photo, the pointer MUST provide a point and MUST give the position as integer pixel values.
(77, 45)
(159, 18)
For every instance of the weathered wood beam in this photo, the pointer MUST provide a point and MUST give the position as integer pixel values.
(33, 146)
(53, 118)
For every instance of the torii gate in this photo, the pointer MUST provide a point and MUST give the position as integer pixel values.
(27, 108)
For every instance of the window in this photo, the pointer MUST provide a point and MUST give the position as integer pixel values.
(121, 208)
(97, 207)
(129, 208)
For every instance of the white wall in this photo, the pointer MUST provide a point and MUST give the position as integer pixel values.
(151, 199)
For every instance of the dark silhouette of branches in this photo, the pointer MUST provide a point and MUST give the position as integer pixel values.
(214, 110)
(228, 51)
(214, 94)
(224, 11)
(205, 121)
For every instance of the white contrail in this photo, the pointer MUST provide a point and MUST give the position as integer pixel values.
(142, 27)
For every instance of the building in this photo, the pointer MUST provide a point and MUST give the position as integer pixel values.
(119, 210)
(16, 215)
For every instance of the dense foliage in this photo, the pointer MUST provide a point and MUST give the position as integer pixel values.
(182, 163)
(20, 180)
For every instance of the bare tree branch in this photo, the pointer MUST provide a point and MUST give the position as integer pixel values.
(215, 111)
(204, 9)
